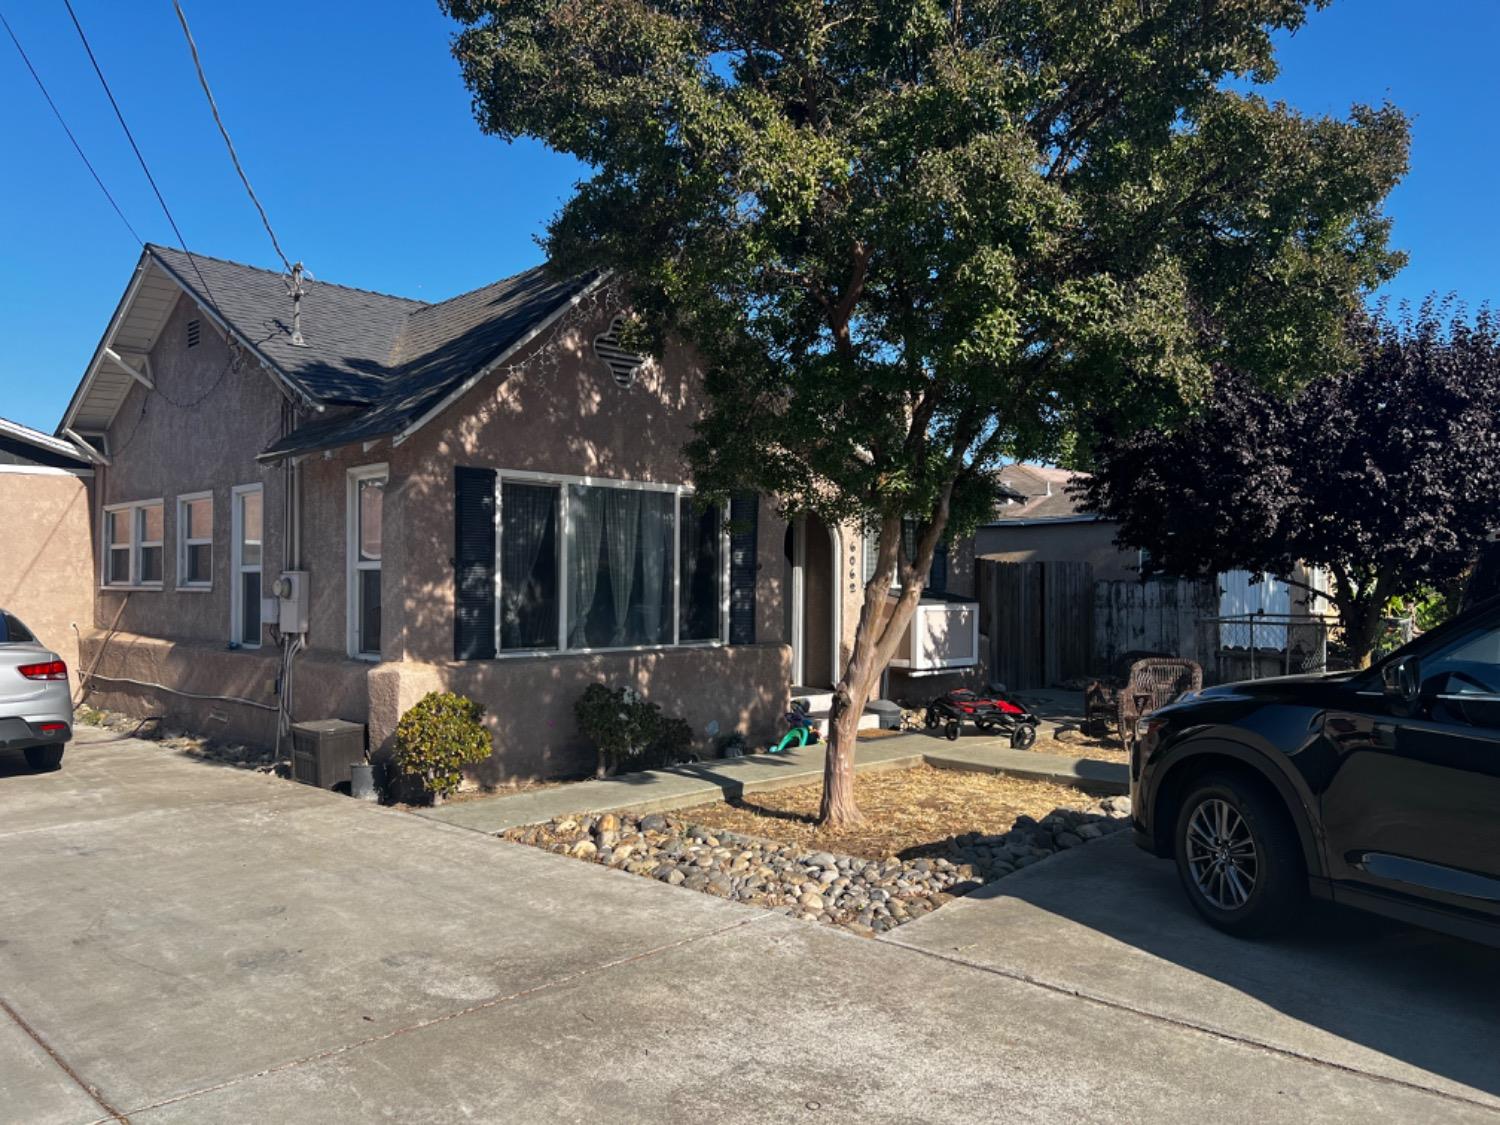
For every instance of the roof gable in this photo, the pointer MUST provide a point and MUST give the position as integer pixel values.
(392, 361)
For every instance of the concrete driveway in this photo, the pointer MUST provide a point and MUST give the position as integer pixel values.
(185, 942)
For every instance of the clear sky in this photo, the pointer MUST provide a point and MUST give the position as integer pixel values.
(356, 132)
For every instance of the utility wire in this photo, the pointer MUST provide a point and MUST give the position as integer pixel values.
(40, 85)
(234, 156)
(207, 292)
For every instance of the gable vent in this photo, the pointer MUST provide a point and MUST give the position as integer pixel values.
(623, 366)
(193, 327)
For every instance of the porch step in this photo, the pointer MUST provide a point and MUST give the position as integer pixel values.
(878, 712)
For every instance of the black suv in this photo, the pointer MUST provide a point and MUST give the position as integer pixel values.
(1379, 789)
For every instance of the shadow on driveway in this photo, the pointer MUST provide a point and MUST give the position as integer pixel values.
(1345, 987)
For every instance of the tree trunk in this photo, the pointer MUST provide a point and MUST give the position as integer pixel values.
(1362, 630)
(875, 640)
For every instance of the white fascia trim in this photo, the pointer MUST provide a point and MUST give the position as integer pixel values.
(37, 438)
(473, 380)
(88, 451)
(106, 342)
(45, 471)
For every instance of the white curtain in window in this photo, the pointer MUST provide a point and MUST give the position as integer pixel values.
(622, 529)
(656, 517)
(586, 530)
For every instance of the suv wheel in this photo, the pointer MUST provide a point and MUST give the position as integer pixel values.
(44, 757)
(1238, 858)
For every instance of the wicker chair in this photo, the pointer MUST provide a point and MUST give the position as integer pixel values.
(1153, 683)
(1101, 698)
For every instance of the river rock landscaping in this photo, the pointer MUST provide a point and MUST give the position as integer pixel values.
(809, 877)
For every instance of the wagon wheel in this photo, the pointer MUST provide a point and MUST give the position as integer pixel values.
(1023, 736)
(930, 719)
(951, 730)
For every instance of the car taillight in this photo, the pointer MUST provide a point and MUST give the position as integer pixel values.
(53, 728)
(51, 670)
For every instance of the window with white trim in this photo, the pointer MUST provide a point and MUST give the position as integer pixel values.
(117, 540)
(133, 544)
(365, 502)
(584, 564)
(195, 541)
(246, 551)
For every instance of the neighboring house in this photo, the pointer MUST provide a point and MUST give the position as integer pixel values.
(485, 494)
(1048, 525)
(45, 577)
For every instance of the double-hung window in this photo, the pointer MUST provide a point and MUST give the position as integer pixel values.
(365, 499)
(246, 552)
(195, 541)
(133, 544)
(117, 540)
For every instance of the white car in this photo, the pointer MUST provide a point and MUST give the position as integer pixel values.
(36, 705)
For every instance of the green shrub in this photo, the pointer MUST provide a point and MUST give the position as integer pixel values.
(438, 737)
(629, 732)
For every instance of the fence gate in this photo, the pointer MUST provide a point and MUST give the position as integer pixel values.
(1039, 620)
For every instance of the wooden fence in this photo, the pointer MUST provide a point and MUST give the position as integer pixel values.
(1037, 617)
(1049, 623)
(1161, 615)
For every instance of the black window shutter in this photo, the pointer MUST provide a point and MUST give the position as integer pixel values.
(474, 563)
(744, 510)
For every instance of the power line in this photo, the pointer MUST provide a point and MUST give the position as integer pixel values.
(207, 292)
(234, 156)
(40, 85)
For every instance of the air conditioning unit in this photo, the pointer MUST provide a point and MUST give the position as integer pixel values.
(291, 601)
(324, 749)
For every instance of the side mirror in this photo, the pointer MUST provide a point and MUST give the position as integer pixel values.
(1402, 680)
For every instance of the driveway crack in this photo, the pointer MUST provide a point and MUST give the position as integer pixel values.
(52, 1053)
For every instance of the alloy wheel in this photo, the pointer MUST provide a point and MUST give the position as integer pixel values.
(1221, 854)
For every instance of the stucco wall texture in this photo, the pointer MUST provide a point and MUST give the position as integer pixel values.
(554, 410)
(46, 572)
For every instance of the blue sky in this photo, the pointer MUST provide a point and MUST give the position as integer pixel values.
(357, 134)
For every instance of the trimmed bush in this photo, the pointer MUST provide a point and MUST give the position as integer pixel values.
(438, 737)
(628, 732)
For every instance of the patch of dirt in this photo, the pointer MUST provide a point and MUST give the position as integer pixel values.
(1076, 744)
(908, 813)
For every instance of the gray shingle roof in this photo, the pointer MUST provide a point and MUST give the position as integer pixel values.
(389, 359)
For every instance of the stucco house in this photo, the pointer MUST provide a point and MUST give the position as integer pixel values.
(327, 506)
(45, 577)
(1043, 522)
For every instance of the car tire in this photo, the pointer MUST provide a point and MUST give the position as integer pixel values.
(1238, 856)
(45, 758)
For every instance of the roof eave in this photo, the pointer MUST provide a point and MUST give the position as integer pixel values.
(278, 376)
(473, 380)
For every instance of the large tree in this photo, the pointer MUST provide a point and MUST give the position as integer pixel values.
(910, 237)
(1385, 476)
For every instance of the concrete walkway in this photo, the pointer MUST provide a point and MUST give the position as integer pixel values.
(683, 787)
(189, 943)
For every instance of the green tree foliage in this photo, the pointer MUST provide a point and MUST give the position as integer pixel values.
(1386, 475)
(911, 237)
(437, 737)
